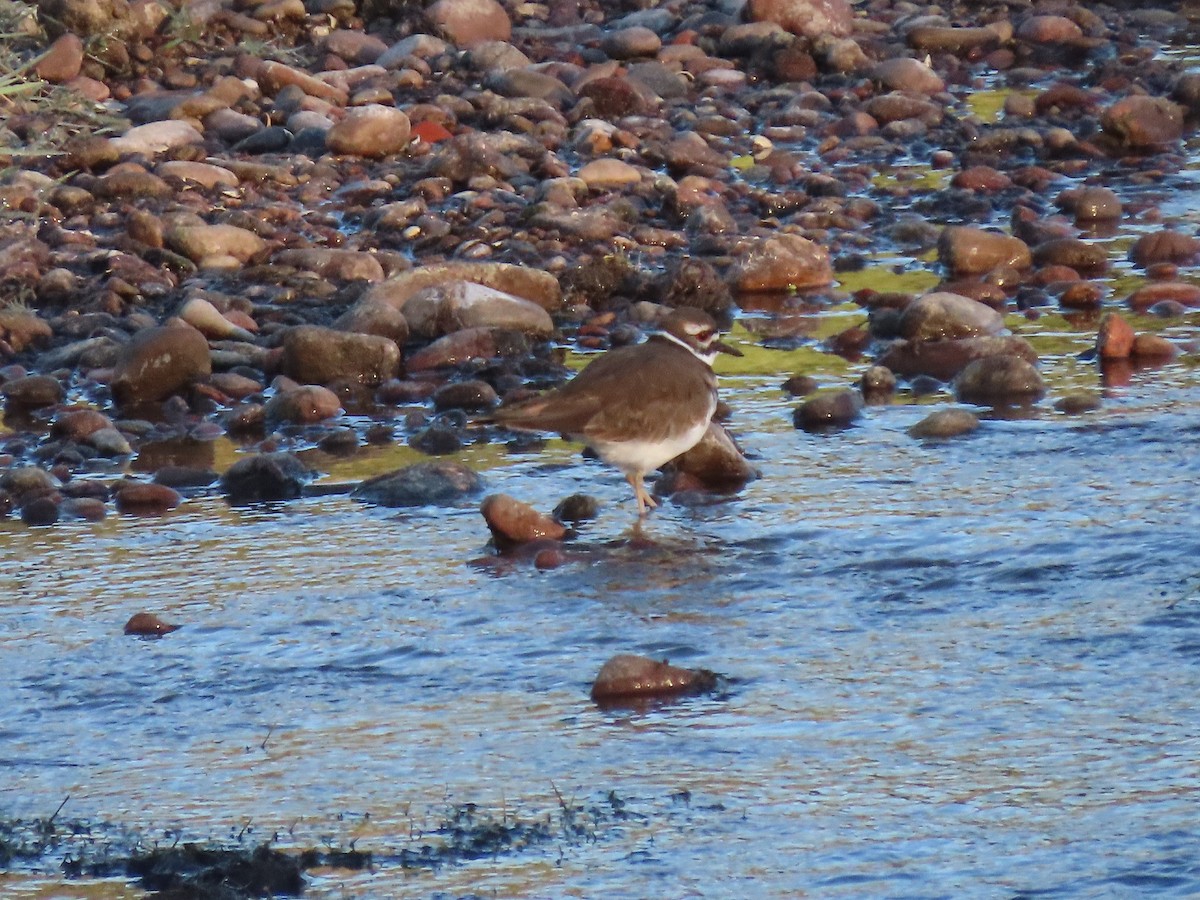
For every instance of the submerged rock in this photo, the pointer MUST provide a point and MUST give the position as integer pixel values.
(833, 409)
(439, 482)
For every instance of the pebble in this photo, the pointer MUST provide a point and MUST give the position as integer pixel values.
(830, 410)
(264, 477)
(158, 362)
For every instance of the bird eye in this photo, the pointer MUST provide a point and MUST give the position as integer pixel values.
(706, 335)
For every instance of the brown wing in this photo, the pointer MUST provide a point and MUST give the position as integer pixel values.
(631, 387)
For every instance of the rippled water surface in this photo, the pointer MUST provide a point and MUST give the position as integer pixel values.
(967, 668)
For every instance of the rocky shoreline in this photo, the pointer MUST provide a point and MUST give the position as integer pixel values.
(255, 220)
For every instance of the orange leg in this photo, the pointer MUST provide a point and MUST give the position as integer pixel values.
(644, 501)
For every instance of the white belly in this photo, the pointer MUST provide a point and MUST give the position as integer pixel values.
(640, 457)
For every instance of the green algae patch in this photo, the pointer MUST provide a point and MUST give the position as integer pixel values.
(988, 105)
(885, 279)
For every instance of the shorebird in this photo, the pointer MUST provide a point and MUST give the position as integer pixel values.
(640, 406)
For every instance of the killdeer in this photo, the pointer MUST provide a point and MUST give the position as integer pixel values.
(640, 406)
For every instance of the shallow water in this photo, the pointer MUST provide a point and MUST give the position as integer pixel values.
(966, 668)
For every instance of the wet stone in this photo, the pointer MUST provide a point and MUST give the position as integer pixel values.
(628, 676)
(421, 484)
(999, 380)
(40, 511)
(577, 508)
(145, 624)
(469, 395)
(834, 409)
(146, 499)
(265, 477)
(438, 439)
(513, 522)
(945, 423)
(33, 391)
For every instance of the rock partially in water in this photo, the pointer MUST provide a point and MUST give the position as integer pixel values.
(316, 355)
(146, 624)
(1141, 122)
(1153, 348)
(833, 409)
(577, 508)
(716, 461)
(138, 498)
(1077, 403)
(1114, 340)
(440, 482)
(1165, 246)
(945, 423)
(878, 384)
(628, 677)
(966, 250)
(998, 380)
(42, 510)
(807, 18)
(513, 522)
(33, 391)
(158, 362)
(782, 262)
(946, 316)
(264, 477)
(945, 359)
(303, 405)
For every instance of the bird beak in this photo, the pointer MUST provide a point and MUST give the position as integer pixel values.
(722, 347)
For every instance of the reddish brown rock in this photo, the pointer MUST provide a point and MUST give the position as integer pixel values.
(966, 250)
(948, 39)
(903, 73)
(1177, 291)
(513, 523)
(62, 60)
(456, 349)
(716, 461)
(373, 316)
(981, 178)
(204, 243)
(1165, 246)
(342, 265)
(833, 409)
(33, 391)
(630, 677)
(945, 316)
(303, 405)
(945, 423)
(999, 380)
(469, 23)
(1091, 204)
(79, 424)
(20, 328)
(144, 624)
(1115, 338)
(315, 355)
(1153, 347)
(807, 18)
(1049, 29)
(781, 263)
(1141, 122)
(1081, 295)
(1073, 253)
(533, 284)
(945, 359)
(158, 362)
(146, 499)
